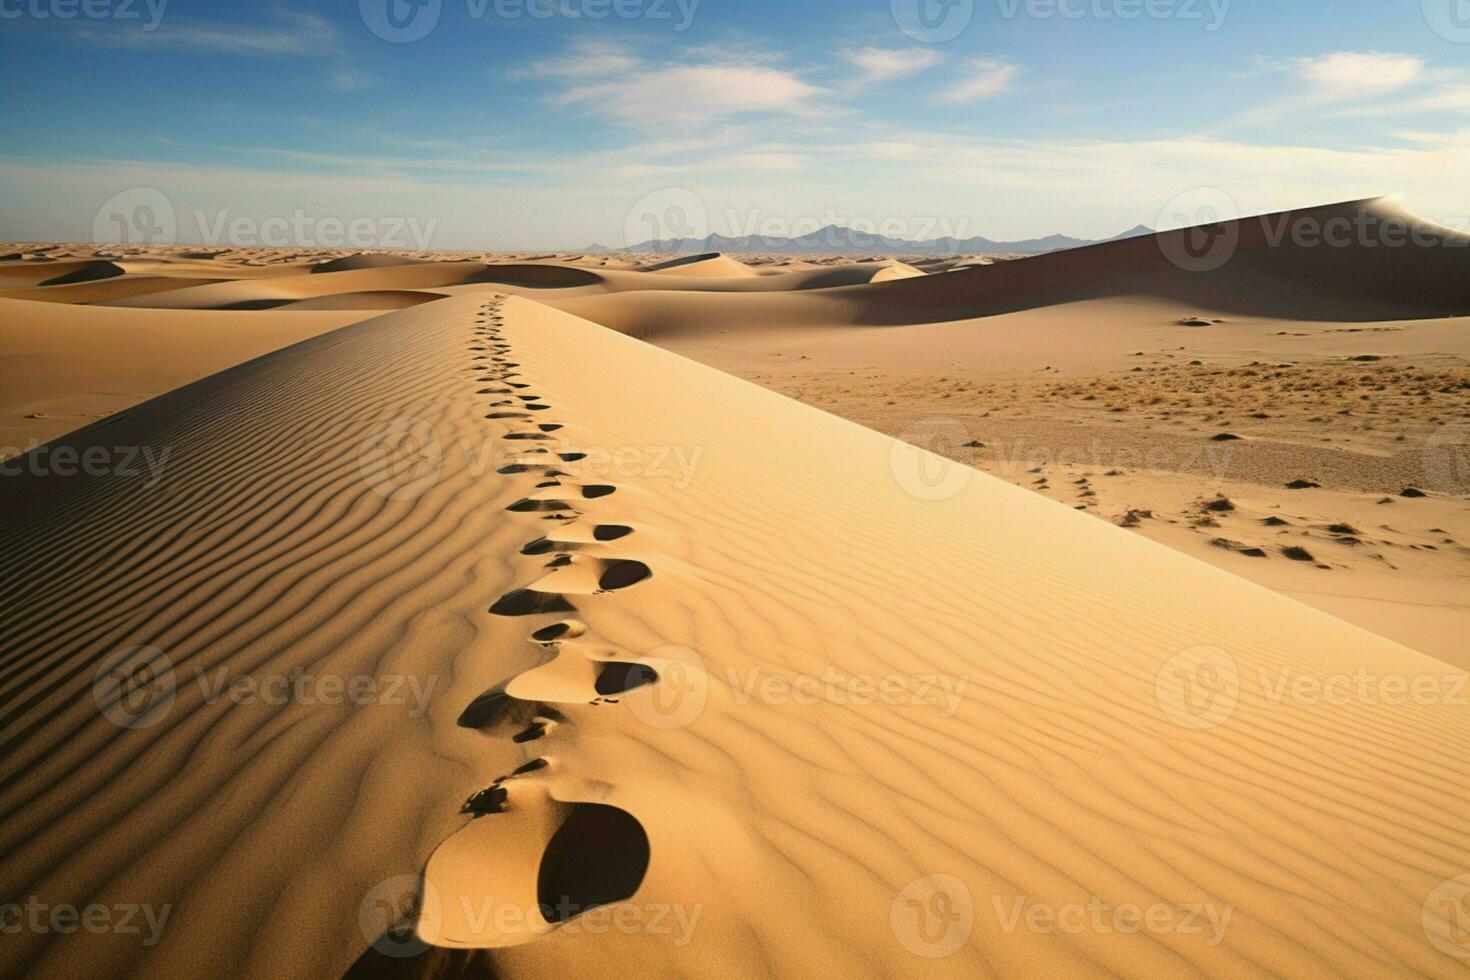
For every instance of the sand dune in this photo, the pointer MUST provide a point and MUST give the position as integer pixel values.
(15, 273)
(104, 290)
(86, 272)
(651, 610)
(370, 299)
(712, 265)
(1285, 266)
(224, 295)
(64, 366)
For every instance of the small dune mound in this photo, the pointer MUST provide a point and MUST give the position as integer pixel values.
(86, 272)
(711, 265)
(897, 270)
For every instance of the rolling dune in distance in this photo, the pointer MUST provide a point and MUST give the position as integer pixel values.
(632, 626)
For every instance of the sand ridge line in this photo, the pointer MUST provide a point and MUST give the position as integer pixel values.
(586, 854)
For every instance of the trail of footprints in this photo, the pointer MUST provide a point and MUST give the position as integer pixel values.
(594, 854)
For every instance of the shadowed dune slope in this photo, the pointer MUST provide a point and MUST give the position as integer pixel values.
(653, 607)
(543, 275)
(365, 260)
(372, 299)
(1356, 262)
(87, 272)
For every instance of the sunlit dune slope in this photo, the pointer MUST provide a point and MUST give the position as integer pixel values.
(62, 366)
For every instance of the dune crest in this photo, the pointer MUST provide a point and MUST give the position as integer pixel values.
(712, 265)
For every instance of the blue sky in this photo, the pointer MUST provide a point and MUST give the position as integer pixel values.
(556, 123)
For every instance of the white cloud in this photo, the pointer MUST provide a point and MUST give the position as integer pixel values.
(585, 59)
(345, 78)
(1442, 98)
(1451, 140)
(1345, 75)
(886, 64)
(985, 79)
(1344, 83)
(694, 93)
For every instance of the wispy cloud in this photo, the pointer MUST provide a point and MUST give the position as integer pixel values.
(1451, 94)
(292, 34)
(298, 34)
(887, 64)
(1345, 75)
(1346, 83)
(610, 80)
(584, 59)
(693, 93)
(345, 78)
(984, 78)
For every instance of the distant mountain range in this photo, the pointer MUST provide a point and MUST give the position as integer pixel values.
(838, 240)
